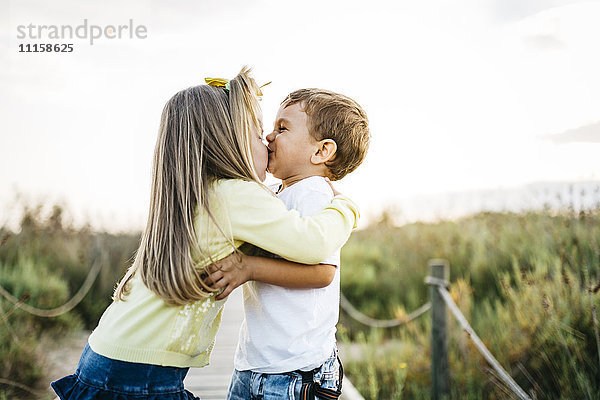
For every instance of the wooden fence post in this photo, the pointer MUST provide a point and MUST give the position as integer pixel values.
(440, 373)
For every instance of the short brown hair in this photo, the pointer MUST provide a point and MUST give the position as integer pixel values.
(337, 117)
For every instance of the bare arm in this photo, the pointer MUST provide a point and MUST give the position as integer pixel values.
(233, 271)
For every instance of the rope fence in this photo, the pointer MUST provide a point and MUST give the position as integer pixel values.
(48, 313)
(380, 323)
(66, 307)
(440, 299)
(478, 343)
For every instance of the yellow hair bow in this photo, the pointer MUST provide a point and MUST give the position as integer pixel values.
(224, 83)
(262, 86)
(218, 82)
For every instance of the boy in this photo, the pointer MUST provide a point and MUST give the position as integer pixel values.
(287, 346)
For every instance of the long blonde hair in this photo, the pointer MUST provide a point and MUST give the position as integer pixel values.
(204, 135)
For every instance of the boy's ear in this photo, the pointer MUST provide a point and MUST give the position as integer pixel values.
(325, 151)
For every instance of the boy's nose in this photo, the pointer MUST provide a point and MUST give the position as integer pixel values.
(271, 136)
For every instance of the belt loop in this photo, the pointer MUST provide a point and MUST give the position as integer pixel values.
(307, 376)
(341, 373)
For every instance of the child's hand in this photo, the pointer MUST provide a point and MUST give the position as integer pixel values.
(228, 273)
(335, 192)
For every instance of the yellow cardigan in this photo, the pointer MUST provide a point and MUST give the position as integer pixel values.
(144, 329)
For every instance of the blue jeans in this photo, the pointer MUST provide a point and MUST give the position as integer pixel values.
(248, 385)
(99, 377)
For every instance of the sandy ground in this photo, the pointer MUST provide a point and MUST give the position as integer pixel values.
(62, 357)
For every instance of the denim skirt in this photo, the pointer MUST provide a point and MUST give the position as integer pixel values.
(98, 377)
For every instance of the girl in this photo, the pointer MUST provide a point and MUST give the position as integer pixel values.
(206, 201)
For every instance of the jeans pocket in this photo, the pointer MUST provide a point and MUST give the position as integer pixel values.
(329, 373)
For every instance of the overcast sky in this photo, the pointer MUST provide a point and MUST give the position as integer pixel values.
(461, 95)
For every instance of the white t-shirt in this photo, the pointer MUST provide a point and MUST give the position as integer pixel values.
(288, 329)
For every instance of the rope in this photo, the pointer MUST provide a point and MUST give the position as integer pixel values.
(9, 327)
(431, 280)
(15, 307)
(22, 387)
(69, 305)
(478, 343)
(379, 323)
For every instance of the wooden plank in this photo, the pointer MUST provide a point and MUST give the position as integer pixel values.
(212, 381)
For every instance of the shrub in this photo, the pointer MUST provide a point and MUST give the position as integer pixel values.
(526, 282)
(49, 259)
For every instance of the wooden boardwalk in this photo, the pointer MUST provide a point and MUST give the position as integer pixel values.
(212, 381)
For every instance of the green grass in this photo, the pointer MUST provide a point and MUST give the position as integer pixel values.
(526, 282)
